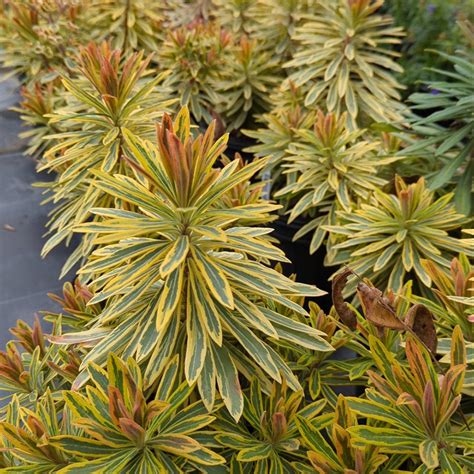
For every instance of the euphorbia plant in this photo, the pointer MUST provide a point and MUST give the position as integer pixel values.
(320, 374)
(30, 367)
(248, 77)
(280, 128)
(343, 60)
(37, 38)
(128, 24)
(15, 375)
(26, 434)
(111, 97)
(329, 168)
(188, 349)
(267, 438)
(236, 15)
(194, 56)
(275, 24)
(181, 13)
(452, 290)
(245, 193)
(413, 410)
(195, 280)
(387, 238)
(76, 312)
(38, 102)
(126, 431)
(335, 453)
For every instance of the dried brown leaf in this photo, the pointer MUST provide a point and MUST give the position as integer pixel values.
(377, 309)
(347, 316)
(420, 320)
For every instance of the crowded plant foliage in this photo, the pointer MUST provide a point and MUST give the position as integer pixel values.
(180, 134)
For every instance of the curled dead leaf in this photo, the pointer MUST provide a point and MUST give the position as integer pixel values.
(420, 320)
(220, 127)
(347, 316)
(378, 309)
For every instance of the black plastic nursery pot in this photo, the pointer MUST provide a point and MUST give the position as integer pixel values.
(237, 144)
(308, 268)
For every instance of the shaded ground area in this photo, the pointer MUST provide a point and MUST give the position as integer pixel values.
(25, 278)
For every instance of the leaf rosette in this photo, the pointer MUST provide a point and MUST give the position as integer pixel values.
(180, 273)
